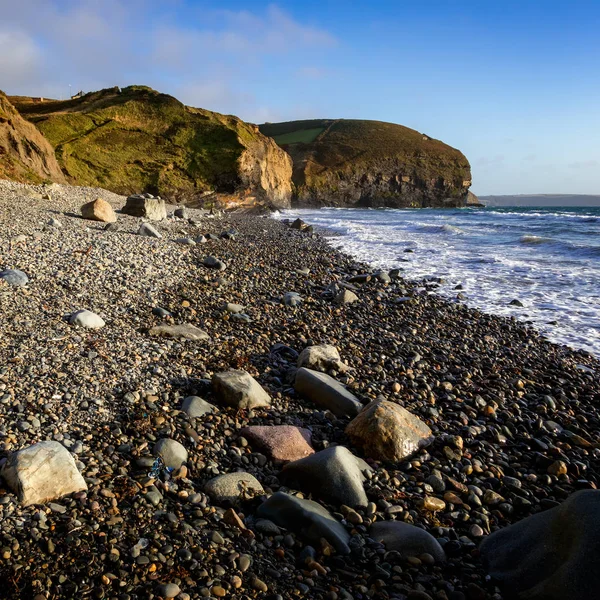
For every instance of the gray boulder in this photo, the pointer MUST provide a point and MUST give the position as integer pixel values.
(138, 205)
(552, 555)
(233, 488)
(345, 297)
(14, 277)
(211, 262)
(194, 406)
(307, 518)
(240, 390)
(386, 431)
(334, 475)
(148, 230)
(321, 358)
(171, 451)
(406, 539)
(42, 472)
(180, 332)
(87, 318)
(326, 392)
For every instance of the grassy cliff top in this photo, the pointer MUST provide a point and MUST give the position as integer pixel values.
(324, 144)
(136, 139)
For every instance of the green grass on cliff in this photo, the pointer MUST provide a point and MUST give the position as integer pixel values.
(345, 146)
(136, 139)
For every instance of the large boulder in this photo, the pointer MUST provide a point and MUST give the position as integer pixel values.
(240, 390)
(334, 475)
(171, 451)
(194, 406)
(42, 472)
(233, 488)
(386, 431)
(180, 332)
(307, 518)
(321, 358)
(147, 230)
(86, 318)
(99, 210)
(406, 539)
(552, 555)
(327, 393)
(282, 443)
(152, 209)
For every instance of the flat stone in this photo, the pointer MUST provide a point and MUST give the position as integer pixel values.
(321, 358)
(98, 210)
(307, 518)
(406, 539)
(180, 332)
(232, 308)
(240, 390)
(185, 241)
(171, 451)
(386, 431)
(148, 230)
(194, 406)
(552, 555)
(280, 442)
(334, 475)
(42, 472)
(86, 318)
(233, 488)
(14, 277)
(345, 297)
(148, 208)
(326, 392)
(169, 590)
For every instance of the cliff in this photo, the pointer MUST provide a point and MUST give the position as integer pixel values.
(139, 140)
(370, 163)
(25, 155)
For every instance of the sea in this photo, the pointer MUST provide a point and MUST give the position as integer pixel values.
(547, 259)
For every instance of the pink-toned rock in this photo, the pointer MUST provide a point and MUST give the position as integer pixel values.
(99, 210)
(281, 442)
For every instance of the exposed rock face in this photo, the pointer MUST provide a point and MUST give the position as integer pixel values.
(386, 431)
(369, 163)
(552, 555)
(25, 154)
(42, 472)
(306, 517)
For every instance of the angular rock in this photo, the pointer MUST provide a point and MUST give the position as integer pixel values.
(14, 277)
(307, 518)
(233, 488)
(180, 332)
(194, 406)
(148, 208)
(345, 297)
(98, 210)
(406, 539)
(86, 318)
(181, 213)
(240, 390)
(386, 431)
(326, 392)
(185, 241)
(42, 472)
(321, 358)
(214, 263)
(552, 555)
(200, 240)
(334, 475)
(171, 451)
(280, 442)
(148, 231)
(298, 224)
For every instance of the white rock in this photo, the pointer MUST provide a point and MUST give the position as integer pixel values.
(42, 472)
(86, 318)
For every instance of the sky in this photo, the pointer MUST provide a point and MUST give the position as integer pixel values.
(514, 85)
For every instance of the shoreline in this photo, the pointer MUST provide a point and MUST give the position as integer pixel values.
(109, 394)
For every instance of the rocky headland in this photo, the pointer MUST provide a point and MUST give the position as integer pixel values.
(201, 405)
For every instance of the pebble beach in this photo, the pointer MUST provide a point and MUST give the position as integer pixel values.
(513, 422)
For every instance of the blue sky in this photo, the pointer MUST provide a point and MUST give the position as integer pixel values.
(514, 85)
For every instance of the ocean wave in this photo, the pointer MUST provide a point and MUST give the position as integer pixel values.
(533, 239)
